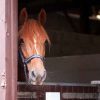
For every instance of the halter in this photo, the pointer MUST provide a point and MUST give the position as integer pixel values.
(25, 61)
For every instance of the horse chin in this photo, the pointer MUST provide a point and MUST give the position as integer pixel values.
(36, 83)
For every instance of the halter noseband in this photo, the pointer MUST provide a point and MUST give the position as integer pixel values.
(25, 61)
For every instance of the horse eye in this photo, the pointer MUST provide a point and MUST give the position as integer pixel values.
(46, 43)
(21, 41)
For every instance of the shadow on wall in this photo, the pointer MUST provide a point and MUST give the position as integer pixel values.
(73, 69)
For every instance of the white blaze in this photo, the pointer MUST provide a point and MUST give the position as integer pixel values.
(35, 46)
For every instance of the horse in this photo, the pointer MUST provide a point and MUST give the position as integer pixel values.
(31, 48)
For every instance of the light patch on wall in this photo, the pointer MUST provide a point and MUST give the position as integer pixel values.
(52, 95)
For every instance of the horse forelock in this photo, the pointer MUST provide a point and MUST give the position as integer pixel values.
(33, 29)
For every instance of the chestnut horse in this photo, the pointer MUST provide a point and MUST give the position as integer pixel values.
(31, 48)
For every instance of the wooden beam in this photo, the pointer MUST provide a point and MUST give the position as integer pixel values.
(11, 49)
(2, 51)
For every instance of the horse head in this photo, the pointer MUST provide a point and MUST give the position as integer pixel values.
(32, 37)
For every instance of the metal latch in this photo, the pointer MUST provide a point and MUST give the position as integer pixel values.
(3, 80)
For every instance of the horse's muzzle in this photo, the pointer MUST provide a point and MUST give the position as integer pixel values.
(37, 79)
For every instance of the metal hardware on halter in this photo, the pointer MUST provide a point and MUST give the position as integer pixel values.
(27, 60)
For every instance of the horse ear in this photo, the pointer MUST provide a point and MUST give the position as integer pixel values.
(42, 17)
(23, 16)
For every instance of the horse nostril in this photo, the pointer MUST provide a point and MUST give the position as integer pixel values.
(33, 74)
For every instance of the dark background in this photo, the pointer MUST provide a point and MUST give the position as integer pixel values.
(74, 31)
(71, 24)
